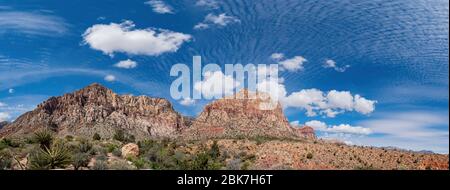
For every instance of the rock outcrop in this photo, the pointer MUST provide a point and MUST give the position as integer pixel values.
(245, 114)
(96, 109)
(130, 150)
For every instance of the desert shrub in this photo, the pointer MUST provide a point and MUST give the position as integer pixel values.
(80, 160)
(110, 147)
(246, 165)
(68, 138)
(10, 142)
(5, 160)
(309, 155)
(234, 164)
(117, 152)
(121, 136)
(44, 137)
(57, 156)
(214, 151)
(121, 165)
(100, 165)
(98, 150)
(85, 146)
(140, 163)
(101, 157)
(96, 137)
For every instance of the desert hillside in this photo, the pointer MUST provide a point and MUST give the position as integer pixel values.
(95, 128)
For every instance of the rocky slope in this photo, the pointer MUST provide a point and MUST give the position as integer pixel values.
(96, 109)
(244, 115)
(323, 155)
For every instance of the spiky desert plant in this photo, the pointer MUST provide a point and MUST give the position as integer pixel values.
(85, 146)
(44, 137)
(57, 156)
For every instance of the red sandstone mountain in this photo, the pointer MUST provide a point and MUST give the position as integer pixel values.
(245, 114)
(96, 109)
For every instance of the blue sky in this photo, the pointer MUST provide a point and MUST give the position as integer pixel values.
(394, 55)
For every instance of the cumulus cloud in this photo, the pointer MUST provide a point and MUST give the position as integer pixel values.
(187, 102)
(315, 102)
(212, 4)
(2, 104)
(123, 37)
(363, 105)
(218, 20)
(4, 116)
(293, 64)
(342, 128)
(126, 64)
(160, 7)
(11, 90)
(216, 84)
(110, 78)
(332, 64)
(33, 23)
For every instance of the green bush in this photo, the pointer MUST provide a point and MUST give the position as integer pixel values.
(80, 160)
(214, 151)
(85, 146)
(100, 165)
(68, 138)
(57, 156)
(121, 136)
(121, 165)
(96, 137)
(117, 152)
(44, 137)
(5, 160)
(10, 142)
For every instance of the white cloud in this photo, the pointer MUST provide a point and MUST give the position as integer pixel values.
(126, 64)
(363, 105)
(335, 102)
(2, 104)
(201, 26)
(110, 78)
(160, 7)
(123, 37)
(317, 125)
(340, 99)
(219, 20)
(4, 116)
(309, 99)
(277, 56)
(11, 91)
(187, 102)
(216, 84)
(33, 23)
(342, 128)
(415, 130)
(213, 4)
(293, 64)
(348, 129)
(332, 64)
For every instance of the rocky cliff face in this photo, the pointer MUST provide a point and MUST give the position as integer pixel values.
(96, 109)
(244, 115)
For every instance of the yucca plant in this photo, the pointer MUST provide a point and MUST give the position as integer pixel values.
(57, 156)
(44, 137)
